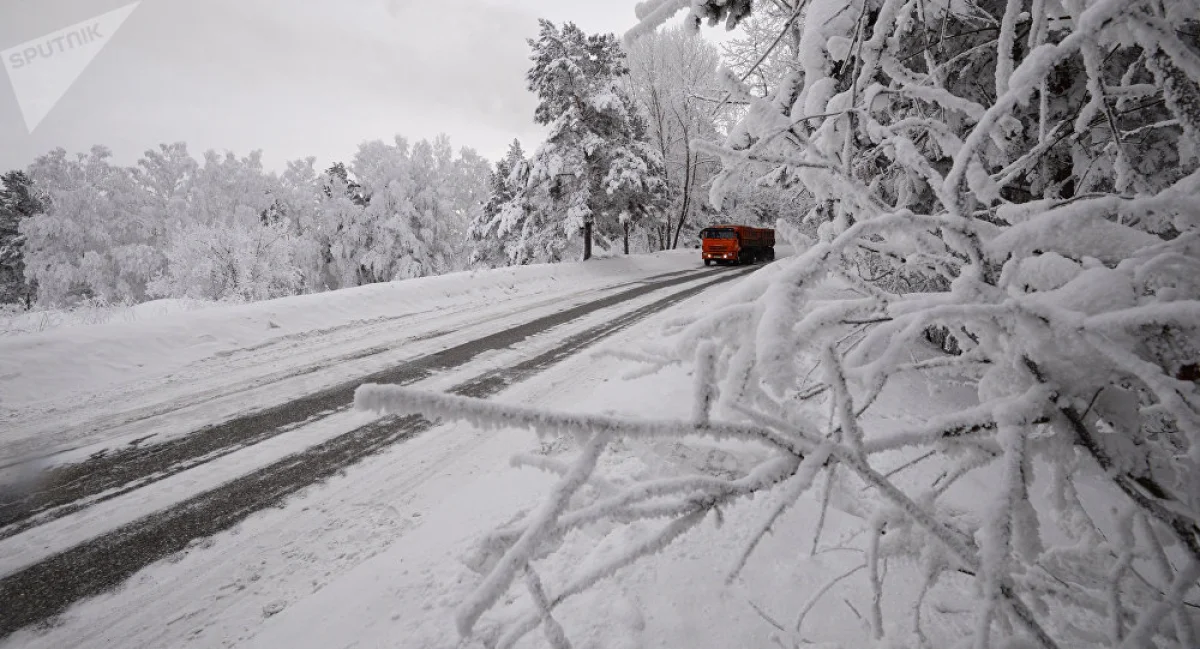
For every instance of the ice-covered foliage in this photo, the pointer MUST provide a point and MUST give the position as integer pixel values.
(411, 225)
(673, 79)
(235, 262)
(223, 232)
(764, 50)
(1020, 177)
(596, 174)
(93, 241)
(226, 228)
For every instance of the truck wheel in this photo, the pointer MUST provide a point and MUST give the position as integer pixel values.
(708, 262)
(770, 254)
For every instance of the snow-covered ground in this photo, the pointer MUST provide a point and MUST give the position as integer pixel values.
(383, 552)
(71, 388)
(18, 322)
(389, 532)
(407, 595)
(47, 539)
(79, 392)
(380, 555)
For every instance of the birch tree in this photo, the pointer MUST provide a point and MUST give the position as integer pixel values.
(673, 78)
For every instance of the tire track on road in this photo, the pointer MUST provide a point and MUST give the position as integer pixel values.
(71, 487)
(39, 592)
(361, 330)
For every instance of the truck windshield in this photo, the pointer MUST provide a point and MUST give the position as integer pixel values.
(718, 234)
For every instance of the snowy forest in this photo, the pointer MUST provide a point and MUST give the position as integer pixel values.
(80, 230)
(999, 198)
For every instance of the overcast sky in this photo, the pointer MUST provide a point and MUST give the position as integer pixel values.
(292, 77)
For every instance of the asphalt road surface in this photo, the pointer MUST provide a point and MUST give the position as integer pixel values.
(38, 592)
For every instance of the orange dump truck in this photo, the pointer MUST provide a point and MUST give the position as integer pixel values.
(736, 244)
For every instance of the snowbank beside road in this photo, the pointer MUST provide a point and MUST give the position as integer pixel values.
(82, 359)
(18, 322)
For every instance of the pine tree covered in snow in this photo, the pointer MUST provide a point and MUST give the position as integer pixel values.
(339, 182)
(1022, 176)
(18, 201)
(502, 187)
(596, 174)
(505, 183)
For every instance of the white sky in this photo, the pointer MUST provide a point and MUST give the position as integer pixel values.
(293, 77)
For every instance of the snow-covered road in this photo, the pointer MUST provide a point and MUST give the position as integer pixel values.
(160, 449)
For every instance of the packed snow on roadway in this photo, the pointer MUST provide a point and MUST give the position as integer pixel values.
(143, 357)
(387, 553)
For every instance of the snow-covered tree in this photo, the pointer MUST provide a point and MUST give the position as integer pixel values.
(233, 238)
(469, 188)
(517, 233)
(339, 206)
(299, 199)
(765, 49)
(337, 180)
(409, 226)
(673, 78)
(229, 190)
(18, 201)
(168, 177)
(501, 187)
(596, 173)
(93, 241)
(230, 262)
(1020, 176)
(487, 247)
(755, 196)
(462, 186)
(226, 228)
